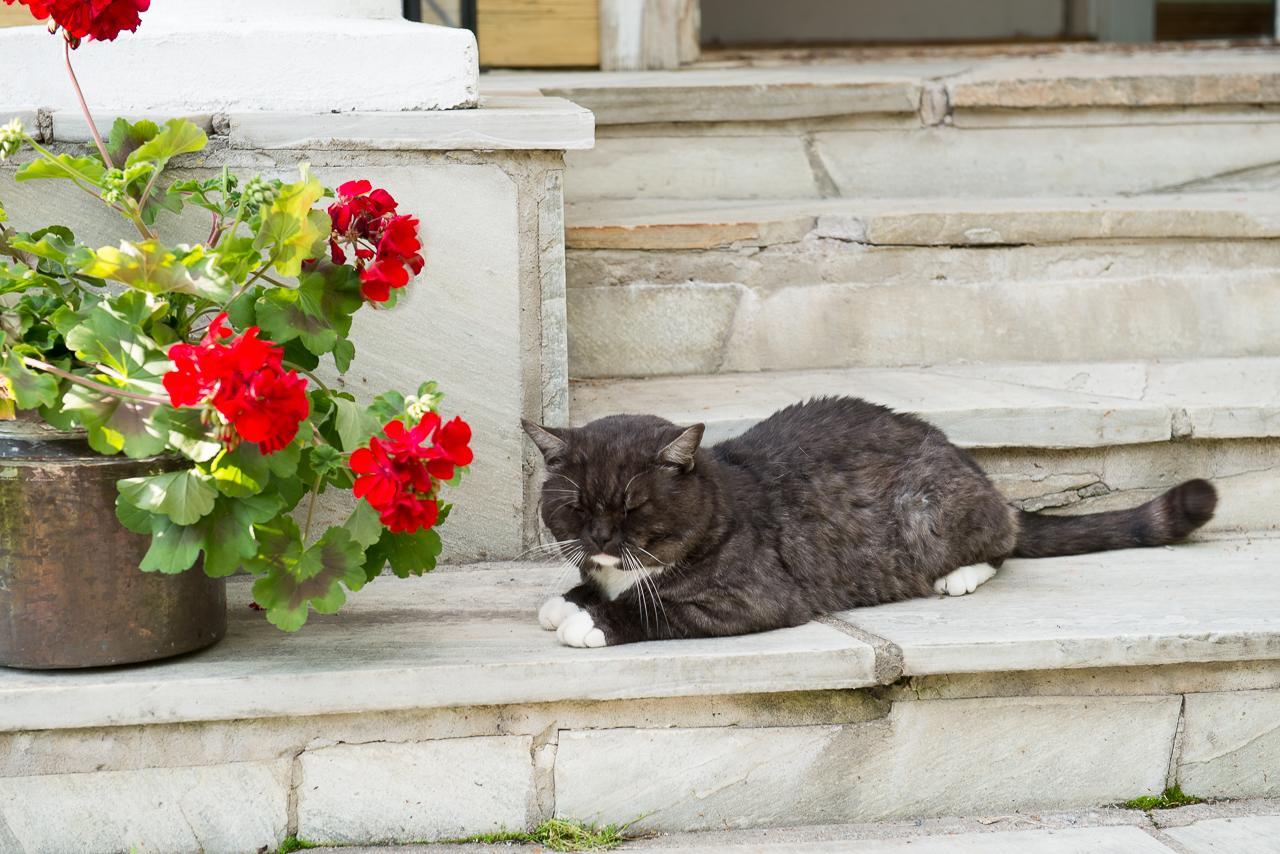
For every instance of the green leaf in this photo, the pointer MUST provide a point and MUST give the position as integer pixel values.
(354, 424)
(315, 579)
(174, 548)
(115, 424)
(238, 257)
(184, 496)
(324, 460)
(227, 532)
(30, 389)
(408, 554)
(284, 462)
(149, 266)
(241, 472)
(318, 312)
(125, 138)
(178, 136)
(87, 169)
(190, 436)
(364, 525)
(134, 518)
(344, 353)
(291, 232)
(54, 244)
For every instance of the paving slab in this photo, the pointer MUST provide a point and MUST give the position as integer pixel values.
(465, 638)
(1198, 602)
(1239, 835)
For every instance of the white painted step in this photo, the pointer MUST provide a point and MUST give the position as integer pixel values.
(672, 287)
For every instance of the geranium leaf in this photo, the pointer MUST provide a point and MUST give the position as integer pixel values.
(344, 353)
(87, 169)
(228, 532)
(189, 435)
(149, 266)
(184, 496)
(30, 389)
(291, 232)
(315, 580)
(354, 424)
(116, 424)
(408, 554)
(174, 548)
(134, 518)
(285, 314)
(240, 473)
(126, 138)
(178, 136)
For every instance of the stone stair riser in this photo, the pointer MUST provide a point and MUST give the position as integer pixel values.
(990, 743)
(765, 161)
(919, 317)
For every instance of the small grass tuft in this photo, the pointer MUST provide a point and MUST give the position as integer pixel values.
(293, 843)
(1172, 798)
(559, 835)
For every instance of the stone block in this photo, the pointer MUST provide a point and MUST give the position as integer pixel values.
(423, 791)
(926, 759)
(1093, 840)
(1256, 834)
(1231, 745)
(213, 809)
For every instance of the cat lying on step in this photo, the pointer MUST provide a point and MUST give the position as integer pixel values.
(824, 506)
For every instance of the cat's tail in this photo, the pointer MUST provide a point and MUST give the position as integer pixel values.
(1161, 521)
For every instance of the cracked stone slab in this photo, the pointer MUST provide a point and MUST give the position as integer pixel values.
(1253, 834)
(447, 789)
(1094, 840)
(1200, 602)
(976, 412)
(1231, 744)
(217, 808)
(950, 757)
(458, 638)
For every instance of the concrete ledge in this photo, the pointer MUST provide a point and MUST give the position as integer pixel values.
(983, 406)
(449, 639)
(671, 224)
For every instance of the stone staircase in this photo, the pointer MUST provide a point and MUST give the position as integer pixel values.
(1070, 262)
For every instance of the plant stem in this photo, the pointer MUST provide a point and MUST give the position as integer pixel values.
(315, 379)
(87, 383)
(245, 287)
(84, 108)
(311, 509)
(75, 176)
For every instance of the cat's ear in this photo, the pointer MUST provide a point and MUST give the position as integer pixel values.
(684, 449)
(548, 441)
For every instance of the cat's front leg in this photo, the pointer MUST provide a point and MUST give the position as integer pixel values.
(557, 609)
(607, 624)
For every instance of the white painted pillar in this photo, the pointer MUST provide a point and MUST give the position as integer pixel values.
(648, 34)
(192, 56)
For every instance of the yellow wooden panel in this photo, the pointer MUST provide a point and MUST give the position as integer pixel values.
(15, 16)
(538, 33)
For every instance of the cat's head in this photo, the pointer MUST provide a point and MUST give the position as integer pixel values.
(624, 490)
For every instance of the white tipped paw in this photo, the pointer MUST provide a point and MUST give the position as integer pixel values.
(555, 611)
(580, 630)
(964, 580)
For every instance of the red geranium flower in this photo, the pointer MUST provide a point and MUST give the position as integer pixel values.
(397, 473)
(385, 244)
(101, 20)
(243, 378)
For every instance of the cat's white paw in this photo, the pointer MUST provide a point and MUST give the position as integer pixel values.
(964, 580)
(580, 630)
(555, 611)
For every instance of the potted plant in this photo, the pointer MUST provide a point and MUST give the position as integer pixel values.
(164, 414)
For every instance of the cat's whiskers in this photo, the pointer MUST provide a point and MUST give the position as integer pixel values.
(545, 548)
(644, 581)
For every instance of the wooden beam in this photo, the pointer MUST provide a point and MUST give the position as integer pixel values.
(538, 33)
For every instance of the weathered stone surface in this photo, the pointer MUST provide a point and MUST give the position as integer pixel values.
(449, 639)
(424, 791)
(1254, 834)
(696, 322)
(926, 758)
(1031, 161)
(499, 123)
(1094, 840)
(217, 808)
(1231, 744)
(974, 412)
(692, 167)
(1218, 601)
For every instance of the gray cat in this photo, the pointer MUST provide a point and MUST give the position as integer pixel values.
(827, 505)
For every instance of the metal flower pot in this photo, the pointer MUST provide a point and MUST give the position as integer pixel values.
(71, 593)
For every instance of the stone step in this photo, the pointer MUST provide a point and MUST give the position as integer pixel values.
(1068, 123)
(435, 708)
(712, 286)
(1086, 437)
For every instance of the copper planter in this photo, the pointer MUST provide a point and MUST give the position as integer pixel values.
(71, 593)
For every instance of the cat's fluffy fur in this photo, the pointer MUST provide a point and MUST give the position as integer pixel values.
(827, 505)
